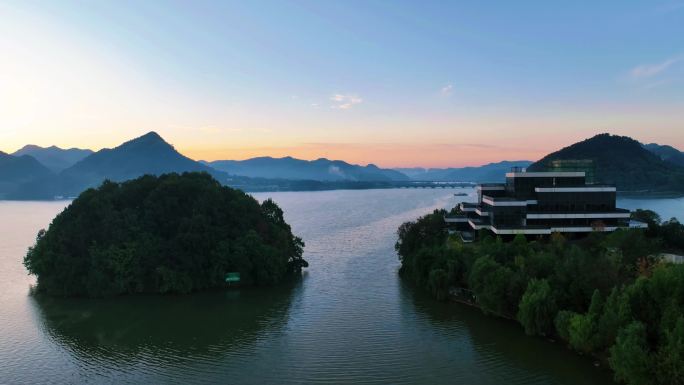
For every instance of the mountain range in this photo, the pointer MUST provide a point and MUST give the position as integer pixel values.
(43, 173)
(68, 172)
(18, 171)
(666, 153)
(492, 172)
(53, 157)
(297, 169)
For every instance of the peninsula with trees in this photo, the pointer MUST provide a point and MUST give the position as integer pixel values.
(551, 250)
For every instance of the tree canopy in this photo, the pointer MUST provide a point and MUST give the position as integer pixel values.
(167, 234)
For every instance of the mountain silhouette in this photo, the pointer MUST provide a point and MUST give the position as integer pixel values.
(53, 157)
(622, 161)
(148, 154)
(298, 169)
(666, 153)
(16, 171)
(492, 172)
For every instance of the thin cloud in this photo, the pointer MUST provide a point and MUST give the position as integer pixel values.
(447, 90)
(650, 70)
(671, 7)
(345, 101)
(658, 83)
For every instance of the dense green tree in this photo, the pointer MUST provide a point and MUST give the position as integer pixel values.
(672, 233)
(492, 283)
(581, 332)
(439, 283)
(562, 324)
(583, 328)
(630, 358)
(167, 234)
(671, 355)
(651, 218)
(613, 317)
(537, 308)
(427, 230)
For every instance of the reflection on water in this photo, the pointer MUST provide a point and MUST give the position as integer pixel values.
(350, 319)
(497, 346)
(124, 329)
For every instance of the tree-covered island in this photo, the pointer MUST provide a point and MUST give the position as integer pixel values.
(608, 295)
(167, 234)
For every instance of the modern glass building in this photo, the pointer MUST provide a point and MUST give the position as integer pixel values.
(541, 203)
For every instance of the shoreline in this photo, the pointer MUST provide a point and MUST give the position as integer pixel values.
(597, 361)
(435, 186)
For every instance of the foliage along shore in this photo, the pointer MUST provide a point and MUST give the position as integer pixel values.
(607, 295)
(168, 234)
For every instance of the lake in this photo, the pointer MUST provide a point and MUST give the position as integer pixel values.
(350, 319)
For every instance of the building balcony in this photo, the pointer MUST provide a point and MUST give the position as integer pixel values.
(576, 189)
(546, 230)
(491, 187)
(467, 207)
(616, 214)
(481, 212)
(526, 230)
(455, 219)
(478, 224)
(506, 201)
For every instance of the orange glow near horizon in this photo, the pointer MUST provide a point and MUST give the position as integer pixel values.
(382, 155)
(208, 145)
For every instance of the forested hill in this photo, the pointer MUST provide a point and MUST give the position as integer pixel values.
(667, 153)
(624, 162)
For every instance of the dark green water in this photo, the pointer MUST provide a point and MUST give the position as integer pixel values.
(349, 320)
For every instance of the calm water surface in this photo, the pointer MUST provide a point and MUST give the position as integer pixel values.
(349, 320)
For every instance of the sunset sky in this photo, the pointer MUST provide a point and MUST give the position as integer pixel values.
(394, 83)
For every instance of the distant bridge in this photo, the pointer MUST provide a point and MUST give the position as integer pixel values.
(434, 184)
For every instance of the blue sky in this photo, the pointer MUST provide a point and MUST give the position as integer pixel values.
(396, 83)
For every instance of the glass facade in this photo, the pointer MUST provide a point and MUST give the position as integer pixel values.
(523, 187)
(569, 165)
(579, 201)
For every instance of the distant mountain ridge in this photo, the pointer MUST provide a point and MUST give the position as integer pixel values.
(630, 165)
(16, 171)
(53, 157)
(492, 172)
(298, 169)
(622, 161)
(666, 153)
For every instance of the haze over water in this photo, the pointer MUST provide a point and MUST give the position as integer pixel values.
(349, 320)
